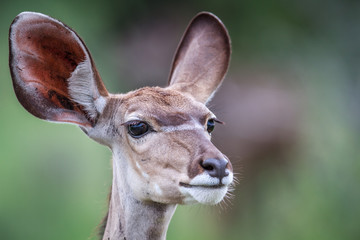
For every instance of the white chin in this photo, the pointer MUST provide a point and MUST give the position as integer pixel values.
(204, 195)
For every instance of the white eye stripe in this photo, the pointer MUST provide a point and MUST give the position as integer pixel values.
(183, 127)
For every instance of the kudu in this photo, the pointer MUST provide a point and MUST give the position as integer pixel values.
(159, 137)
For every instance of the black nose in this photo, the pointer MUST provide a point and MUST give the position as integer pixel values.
(215, 167)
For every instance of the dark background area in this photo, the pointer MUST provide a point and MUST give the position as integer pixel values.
(290, 102)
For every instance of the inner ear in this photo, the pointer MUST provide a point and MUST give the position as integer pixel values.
(53, 74)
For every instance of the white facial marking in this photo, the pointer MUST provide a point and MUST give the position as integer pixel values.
(157, 189)
(133, 117)
(144, 174)
(183, 127)
(137, 165)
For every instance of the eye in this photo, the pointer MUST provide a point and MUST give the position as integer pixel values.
(137, 129)
(210, 125)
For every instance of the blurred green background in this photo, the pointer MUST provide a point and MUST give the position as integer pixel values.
(290, 102)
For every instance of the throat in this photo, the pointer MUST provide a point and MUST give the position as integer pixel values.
(129, 218)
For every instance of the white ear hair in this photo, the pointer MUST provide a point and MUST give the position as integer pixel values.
(83, 91)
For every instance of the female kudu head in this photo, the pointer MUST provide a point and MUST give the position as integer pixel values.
(160, 137)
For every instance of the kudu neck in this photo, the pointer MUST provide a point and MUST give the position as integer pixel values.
(131, 219)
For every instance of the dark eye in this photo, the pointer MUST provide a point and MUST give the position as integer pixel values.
(138, 129)
(210, 125)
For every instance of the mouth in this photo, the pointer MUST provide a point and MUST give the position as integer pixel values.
(217, 186)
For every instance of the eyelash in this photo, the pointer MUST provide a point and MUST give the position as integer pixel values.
(210, 124)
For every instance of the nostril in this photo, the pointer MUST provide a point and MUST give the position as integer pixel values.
(207, 165)
(215, 167)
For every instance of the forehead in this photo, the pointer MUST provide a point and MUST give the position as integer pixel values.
(164, 106)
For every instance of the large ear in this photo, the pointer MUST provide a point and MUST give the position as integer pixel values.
(53, 74)
(202, 57)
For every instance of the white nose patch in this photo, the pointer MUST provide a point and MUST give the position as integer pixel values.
(205, 189)
(203, 195)
(205, 179)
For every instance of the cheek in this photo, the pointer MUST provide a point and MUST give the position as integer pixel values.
(155, 170)
(166, 161)
(138, 184)
(159, 185)
(160, 180)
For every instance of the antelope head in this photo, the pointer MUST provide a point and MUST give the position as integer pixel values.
(160, 137)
